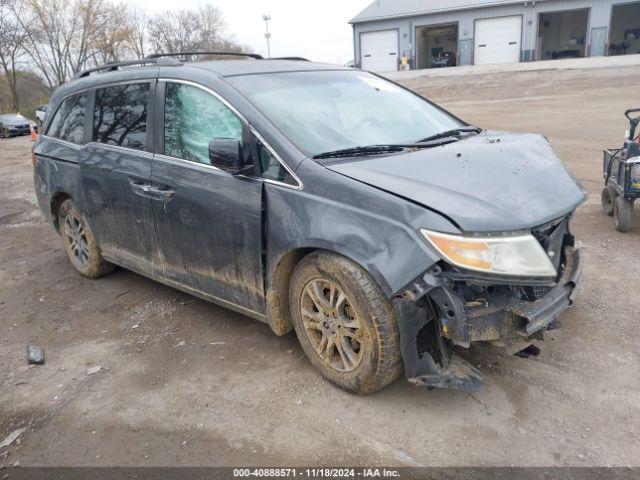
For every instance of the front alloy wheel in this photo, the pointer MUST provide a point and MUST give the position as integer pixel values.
(346, 326)
(331, 325)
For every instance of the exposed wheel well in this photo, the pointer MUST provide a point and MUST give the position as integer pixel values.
(278, 308)
(278, 311)
(56, 202)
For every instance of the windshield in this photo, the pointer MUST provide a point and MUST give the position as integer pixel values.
(332, 110)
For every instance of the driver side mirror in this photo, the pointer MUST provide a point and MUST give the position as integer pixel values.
(226, 154)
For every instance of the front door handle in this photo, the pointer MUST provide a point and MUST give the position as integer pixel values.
(140, 188)
(146, 190)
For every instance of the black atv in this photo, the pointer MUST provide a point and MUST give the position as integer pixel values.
(621, 170)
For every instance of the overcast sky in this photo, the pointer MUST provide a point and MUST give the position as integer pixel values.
(315, 29)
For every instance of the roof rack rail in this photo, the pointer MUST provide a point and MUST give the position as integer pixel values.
(112, 66)
(255, 56)
(167, 59)
(297, 59)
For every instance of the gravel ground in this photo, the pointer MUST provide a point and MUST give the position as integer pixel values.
(184, 382)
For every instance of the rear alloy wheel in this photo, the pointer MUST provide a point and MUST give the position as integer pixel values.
(80, 243)
(622, 212)
(606, 202)
(345, 324)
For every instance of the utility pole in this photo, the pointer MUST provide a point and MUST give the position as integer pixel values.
(267, 35)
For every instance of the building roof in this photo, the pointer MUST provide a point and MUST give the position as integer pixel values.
(384, 9)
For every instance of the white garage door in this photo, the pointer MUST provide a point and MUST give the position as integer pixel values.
(379, 51)
(497, 40)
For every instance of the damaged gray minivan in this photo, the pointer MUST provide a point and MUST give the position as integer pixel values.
(386, 232)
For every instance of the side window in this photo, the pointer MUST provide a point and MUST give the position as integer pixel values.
(120, 115)
(192, 118)
(271, 168)
(68, 122)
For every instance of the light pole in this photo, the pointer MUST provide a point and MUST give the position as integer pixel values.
(267, 35)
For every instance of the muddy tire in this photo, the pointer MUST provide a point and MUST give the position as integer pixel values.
(346, 326)
(622, 211)
(607, 202)
(79, 242)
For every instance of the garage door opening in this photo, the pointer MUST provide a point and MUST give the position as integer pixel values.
(625, 30)
(563, 34)
(437, 46)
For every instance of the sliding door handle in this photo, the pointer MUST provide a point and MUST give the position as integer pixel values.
(141, 189)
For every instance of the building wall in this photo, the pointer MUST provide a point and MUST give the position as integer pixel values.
(599, 17)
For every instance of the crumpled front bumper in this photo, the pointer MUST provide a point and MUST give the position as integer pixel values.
(540, 313)
(424, 325)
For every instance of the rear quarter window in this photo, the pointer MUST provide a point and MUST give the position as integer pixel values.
(120, 115)
(69, 120)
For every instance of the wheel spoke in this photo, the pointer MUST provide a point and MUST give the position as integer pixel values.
(346, 361)
(347, 355)
(346, 322)
(312, 325)
(310, 314)
(327, 353)
(347, 348)
(316, 295)
(340, 299)
(322, 344)
(347, 332)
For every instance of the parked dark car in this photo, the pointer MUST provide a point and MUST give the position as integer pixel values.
(14, 124)
(384, 230)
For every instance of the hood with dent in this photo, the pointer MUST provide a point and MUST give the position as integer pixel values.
(490, 182)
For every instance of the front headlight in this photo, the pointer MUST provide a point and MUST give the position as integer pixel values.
(520, 256)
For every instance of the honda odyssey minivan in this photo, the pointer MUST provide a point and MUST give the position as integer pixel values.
(385, 231)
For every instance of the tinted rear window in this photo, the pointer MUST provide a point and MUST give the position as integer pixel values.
(120, 115)
(68, 122)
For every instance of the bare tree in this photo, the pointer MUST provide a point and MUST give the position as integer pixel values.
(136, 20)
(12, 40)
(110, 38)
(64, 36)
(189, 31)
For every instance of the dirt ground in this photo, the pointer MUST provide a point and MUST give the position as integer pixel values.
(184, 382)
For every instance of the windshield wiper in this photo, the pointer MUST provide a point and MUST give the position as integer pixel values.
(455, 132)
(391, 148)
(357, 151)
